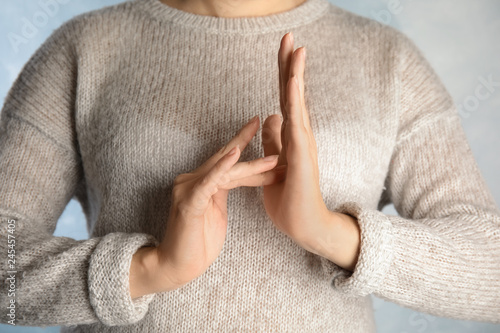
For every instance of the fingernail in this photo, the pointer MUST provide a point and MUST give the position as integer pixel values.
(291, 37)
(232, 151)
(254, 119)
(270, 158)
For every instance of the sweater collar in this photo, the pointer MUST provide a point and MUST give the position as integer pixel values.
(306, 12)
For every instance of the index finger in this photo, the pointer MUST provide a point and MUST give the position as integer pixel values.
(242, 139)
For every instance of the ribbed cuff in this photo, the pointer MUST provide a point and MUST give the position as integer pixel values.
(108, 278)
(375, 257)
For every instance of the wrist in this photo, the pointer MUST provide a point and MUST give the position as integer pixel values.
(340, 240)
(350, 241)
(141, 269)
(146, 276)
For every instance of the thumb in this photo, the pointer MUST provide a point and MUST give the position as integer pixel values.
(271, 135)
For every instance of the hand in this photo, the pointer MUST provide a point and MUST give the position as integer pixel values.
(295, 205)
(197, 224)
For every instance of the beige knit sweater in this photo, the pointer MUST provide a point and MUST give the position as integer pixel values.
(118, 101)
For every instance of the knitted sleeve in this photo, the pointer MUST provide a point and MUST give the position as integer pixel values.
(441, 255)
(48, 280)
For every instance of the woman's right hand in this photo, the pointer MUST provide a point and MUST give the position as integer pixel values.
(197, 223)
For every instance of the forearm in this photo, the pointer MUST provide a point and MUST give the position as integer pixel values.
(145, 274)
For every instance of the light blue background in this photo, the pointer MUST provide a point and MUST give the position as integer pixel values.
(460, 39)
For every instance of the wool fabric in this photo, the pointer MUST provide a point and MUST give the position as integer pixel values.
(119, 101)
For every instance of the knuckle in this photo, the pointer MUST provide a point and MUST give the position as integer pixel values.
(204, 186)
(177, 191)
(183, 209)
(182, 178)
(178, 180)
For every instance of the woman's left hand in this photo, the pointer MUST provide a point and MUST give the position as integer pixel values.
(295, 205)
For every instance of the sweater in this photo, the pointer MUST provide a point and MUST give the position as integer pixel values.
(119, 101)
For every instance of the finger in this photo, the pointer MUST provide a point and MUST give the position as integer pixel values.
(246, 169)
(271, 137)
(284, 57)
(241, 139)
(297, 67)
(296, 132)
(209, 184)
(270, 177)
(293, 106)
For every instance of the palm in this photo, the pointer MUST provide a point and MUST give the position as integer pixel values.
(215, 225)
(202, 238)
(273, 197)
(281, 199)
(277, 198)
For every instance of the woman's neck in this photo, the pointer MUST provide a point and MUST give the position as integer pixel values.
(233, 8)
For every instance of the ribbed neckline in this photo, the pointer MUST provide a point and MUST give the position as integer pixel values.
(306, 12)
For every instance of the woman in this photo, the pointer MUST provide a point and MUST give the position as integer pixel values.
(126, 109)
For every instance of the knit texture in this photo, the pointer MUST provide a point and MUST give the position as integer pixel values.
(119, 101)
